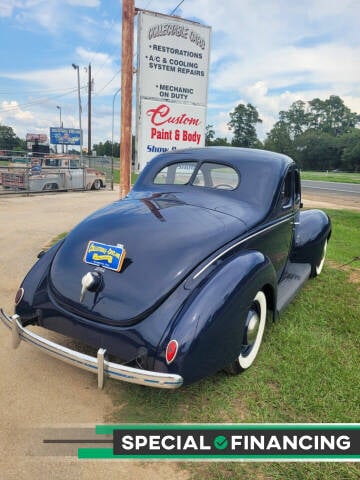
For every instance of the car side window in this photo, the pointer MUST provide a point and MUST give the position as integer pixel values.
(175, 174)
(74, 164)
(286, 191)
(52, 162)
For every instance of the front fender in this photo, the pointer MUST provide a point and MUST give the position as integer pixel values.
(209, 327)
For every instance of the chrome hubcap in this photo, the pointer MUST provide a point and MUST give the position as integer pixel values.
(252, 328)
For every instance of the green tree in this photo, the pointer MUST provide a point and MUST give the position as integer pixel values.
(106, 149)
(317, 151)
(9, 140)
(296, 119)
(209, 134)
(350, 150)
(220, 142)
(279, 139)
(243, 121)
(351, 158)
(331, 116)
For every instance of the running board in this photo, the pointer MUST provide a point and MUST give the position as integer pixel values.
(293, 278)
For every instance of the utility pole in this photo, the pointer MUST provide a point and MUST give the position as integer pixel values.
(76, 67)
(112, 139)
(89, 109)
(127, 44)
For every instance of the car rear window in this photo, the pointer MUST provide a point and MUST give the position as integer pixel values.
(176, 173)
(216, 175)
(209, 175)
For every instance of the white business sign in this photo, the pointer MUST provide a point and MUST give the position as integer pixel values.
(169, 126)
(172, 84)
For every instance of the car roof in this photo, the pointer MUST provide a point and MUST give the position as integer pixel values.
(249, 162)
(232, 155)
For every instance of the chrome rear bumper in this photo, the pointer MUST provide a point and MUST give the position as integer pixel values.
(98, 365)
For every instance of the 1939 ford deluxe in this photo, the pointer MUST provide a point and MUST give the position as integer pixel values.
(176, 281)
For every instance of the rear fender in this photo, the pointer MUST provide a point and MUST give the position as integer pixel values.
(312, 228)
(209, 327)
(34, 285)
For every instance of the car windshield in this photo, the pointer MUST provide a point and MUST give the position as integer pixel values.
(208, 175)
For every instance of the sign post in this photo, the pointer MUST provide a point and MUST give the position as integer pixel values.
(172, 84)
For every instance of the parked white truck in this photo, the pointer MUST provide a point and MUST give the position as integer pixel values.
(51, 173)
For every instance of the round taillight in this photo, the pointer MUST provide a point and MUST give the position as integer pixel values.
(19, 296)
(171, 351)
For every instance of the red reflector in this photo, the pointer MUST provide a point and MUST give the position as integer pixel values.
(19, 295)
(171, 351)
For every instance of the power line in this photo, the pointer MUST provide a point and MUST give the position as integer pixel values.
(177, 6)
(48, 90)
(100, 68)
(10, 108)
(108, 83)
(101, 43)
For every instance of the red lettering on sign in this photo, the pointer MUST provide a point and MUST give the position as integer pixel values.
(161, 115)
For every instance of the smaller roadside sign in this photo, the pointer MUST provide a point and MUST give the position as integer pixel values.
(64, 136)
(36, 137)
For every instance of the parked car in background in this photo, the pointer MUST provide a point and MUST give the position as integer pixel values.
(178, 280)
(51, 173)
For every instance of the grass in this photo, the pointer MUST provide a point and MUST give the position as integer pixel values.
(134, 176)
(306, 371)
(341, 177)
(55, 240)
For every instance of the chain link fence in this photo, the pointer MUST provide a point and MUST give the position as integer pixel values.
(21, 173)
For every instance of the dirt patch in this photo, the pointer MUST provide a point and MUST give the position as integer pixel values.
(354, 277)
(350, 268)
(341, 202)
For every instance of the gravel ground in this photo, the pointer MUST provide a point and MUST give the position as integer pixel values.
(37, 390)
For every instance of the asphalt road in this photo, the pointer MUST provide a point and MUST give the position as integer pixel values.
(331, 187)
(339, 195)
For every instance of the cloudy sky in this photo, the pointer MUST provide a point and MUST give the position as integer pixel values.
(266, 52)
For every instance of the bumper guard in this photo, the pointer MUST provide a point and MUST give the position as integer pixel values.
(98, 365)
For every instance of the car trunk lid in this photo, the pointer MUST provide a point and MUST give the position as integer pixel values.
(164, 240)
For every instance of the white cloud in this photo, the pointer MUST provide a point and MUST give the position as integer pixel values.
(95, 57)
(12, 110)
(7, 7)
(84, 3)
(12, 115)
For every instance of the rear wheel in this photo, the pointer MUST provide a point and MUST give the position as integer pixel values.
(252, 336)
(97, 184)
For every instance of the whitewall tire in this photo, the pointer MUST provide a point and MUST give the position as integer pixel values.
(318, 268)
(252, 336)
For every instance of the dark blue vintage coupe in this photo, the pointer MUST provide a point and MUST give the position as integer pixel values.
(177, 280)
